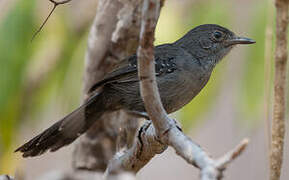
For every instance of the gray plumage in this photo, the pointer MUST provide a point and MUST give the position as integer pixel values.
(182, 69)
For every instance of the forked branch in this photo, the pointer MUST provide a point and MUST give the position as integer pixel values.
(55, 4)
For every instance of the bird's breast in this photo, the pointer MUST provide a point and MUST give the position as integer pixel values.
(183, 89)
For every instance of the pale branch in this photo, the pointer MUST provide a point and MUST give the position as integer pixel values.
(210, 169)
(82, 175)
(6, 177)
(146, 67)
(55, 4)
(278, 123)
(145, 147)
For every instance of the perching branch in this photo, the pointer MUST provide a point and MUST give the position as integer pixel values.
(145, 147)
(164, 131)
(278, 123)
(55, 4)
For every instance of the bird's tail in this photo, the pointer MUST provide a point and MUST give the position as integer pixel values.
(66, 130)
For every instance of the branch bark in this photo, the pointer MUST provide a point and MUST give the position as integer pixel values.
(145, 147)
(278, 123)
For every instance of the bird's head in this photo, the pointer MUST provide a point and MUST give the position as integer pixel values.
(210, 42)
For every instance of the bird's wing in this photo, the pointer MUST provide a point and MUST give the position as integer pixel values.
(126, 71)
(120, 72)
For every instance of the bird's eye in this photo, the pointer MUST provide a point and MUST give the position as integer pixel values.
(218, 35)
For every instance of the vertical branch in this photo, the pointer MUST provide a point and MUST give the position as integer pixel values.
(113, 36)
(93, 150)
(278, 124)
(146, 66)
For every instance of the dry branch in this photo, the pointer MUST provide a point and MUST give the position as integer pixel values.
(143, 150)
(278, 124)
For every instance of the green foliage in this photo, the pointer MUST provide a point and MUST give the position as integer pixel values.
(15, 49)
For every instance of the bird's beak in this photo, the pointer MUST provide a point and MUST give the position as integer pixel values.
(240, 40)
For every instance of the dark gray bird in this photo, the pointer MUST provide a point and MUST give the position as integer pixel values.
(182, 68)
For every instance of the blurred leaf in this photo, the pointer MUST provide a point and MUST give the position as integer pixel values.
(15, 50)
(65, 81)
(252, 91)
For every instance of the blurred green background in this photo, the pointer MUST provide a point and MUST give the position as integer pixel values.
(42, 80)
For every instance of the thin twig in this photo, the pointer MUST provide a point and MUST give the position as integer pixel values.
(223, 162)
(61, 2)
(55, 4)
